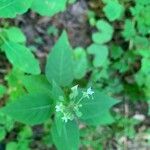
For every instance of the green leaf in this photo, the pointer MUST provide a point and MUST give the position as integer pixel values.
(113, 10)
(11, 8)
(116, 52)
(96, 111)
(143, 2)
(56, 92)
(12, 145)
(129, 30)
(59, 123)
(2, 133)
(21, 57)
(14, 34)
(141, 42)
(145, 65)
(14, 83)
(36, 83)
(105, 32)
(121, 65)
(25, 133)
(48, 7)
(59, 65)
(80, 63)
(30, 109)
(69, 137)
(100, 53)
(2, 90)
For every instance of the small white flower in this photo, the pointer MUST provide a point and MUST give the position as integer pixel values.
(59, 107)
(85, 95)
(88, 93)
(65, 118)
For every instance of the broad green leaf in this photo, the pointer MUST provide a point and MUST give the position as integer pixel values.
(36, 83)
(100, 53)
(29, 109)
(80, 63)
(14, 34)
(48, 7)
(96, 111)
(11, 8)
(69, 137)
(105, 32)
(113, 10)
(21, 57)
(59, 67)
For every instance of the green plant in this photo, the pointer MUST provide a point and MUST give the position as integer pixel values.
(12, 44)
(51, 95)
(12, 8)
(69, 98)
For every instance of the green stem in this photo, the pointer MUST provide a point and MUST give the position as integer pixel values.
(80, 100)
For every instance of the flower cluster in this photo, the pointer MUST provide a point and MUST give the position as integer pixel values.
(71, 110)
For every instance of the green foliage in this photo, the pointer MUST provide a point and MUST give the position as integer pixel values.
(113, 10)
(6, 126)
(142, 14)
(48, 7)
(115, 63)
(14, 34)
(2, 133)
(35, 83)
(34, 98)
(30, 112)
(23, 140)
(11, 42)
(2, 90)
(129, 30)
(100, 53)
(60, 62)
(15, 88)
(18, 56)
(104, 34)
(69, 134)
(90, 109)
(11, 8)
(80, 63)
